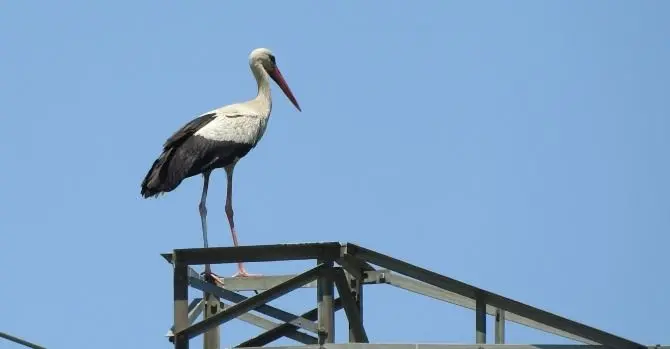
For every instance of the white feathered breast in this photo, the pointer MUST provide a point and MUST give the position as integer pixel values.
(235, 127)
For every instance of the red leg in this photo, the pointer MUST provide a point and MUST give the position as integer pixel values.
(241, 271)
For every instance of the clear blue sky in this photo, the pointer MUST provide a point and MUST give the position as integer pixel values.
(518, 146)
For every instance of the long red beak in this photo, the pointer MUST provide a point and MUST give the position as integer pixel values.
(279, 79)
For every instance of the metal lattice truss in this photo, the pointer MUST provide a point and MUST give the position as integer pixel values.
(346, 267)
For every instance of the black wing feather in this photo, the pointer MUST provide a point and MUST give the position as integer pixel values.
(157, 180)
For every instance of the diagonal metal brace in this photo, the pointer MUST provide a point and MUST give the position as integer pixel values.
(20, 341)
(267, 325)
(350, 307)
(268, 310)
(285, 329)
(252, 303)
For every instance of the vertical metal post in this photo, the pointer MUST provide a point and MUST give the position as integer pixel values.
(213, 336)
(180, 283)
(480, 322)
(500, 326)
(324, 297)
(356, 286)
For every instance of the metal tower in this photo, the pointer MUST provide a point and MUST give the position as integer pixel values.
(348, 268)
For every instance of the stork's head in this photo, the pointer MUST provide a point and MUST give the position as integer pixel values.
(263, 58)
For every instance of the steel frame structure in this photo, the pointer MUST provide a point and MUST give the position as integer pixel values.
(346, 267)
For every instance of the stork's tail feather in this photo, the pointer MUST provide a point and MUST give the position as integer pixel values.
(158, 180)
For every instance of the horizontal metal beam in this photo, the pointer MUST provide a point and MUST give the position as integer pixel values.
(268, 310)
(252, 303)
(258, 253)
(493, 299)
(285, 328)
(258, 283)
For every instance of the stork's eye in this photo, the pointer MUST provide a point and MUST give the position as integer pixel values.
(272, 59)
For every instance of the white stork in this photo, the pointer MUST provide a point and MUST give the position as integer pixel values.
(218, 138)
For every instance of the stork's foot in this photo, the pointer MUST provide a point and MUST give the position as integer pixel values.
(241, 272)
(245, 274)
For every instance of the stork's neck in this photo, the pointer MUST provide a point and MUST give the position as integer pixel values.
(263, 98)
